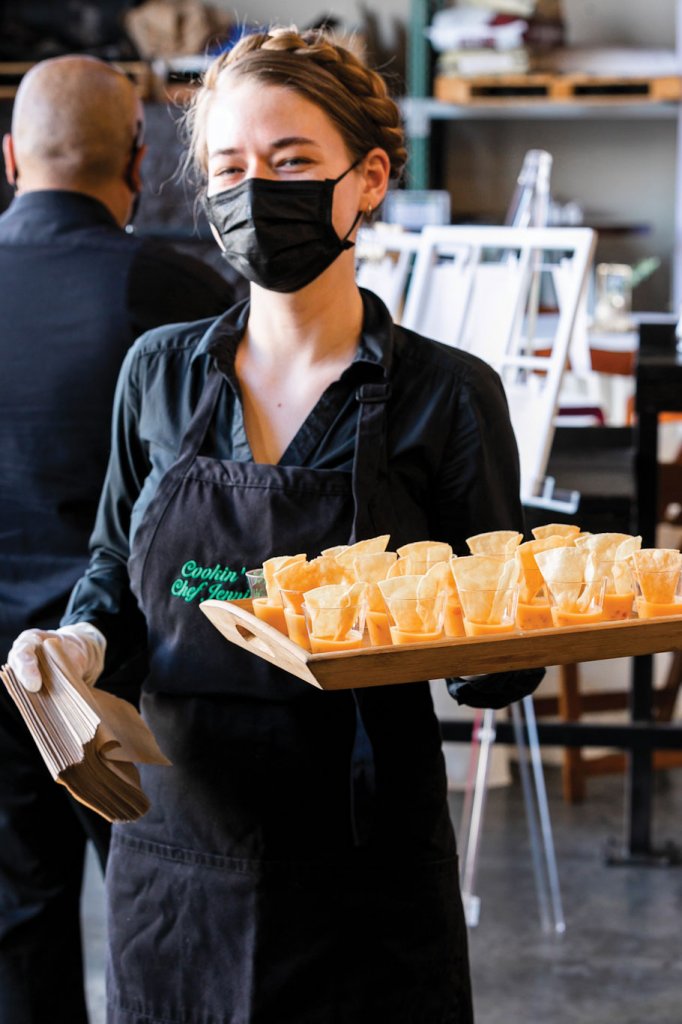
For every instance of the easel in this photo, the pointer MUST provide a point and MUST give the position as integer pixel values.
(537, 814)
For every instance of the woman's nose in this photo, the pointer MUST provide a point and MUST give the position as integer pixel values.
(259, 168)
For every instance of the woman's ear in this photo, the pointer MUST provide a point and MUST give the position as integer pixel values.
(376, 168)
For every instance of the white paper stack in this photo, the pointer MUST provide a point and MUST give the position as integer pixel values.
(89, 739)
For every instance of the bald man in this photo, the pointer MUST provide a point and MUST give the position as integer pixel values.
(75, 291)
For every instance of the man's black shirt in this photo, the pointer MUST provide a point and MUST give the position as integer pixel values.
(75, 291)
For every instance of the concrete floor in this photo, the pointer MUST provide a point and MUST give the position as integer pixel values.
(620, 959)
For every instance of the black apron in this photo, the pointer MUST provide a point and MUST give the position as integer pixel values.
(297, 865)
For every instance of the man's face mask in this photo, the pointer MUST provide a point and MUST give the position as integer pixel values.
(279, 234)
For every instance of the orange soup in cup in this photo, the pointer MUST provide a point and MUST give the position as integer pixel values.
(324, 645)
(453, 624)
(273, 614)
(488, 628)
(296, 628)
(378, 628)
(401, 636)
(618, 606)
(563, 617)
(534, 615)
(654, 610)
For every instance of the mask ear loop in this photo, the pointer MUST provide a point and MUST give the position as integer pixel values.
(128, 173)
(361, 213)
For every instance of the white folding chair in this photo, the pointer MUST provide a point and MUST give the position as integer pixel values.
(471, 287)
(384, 258)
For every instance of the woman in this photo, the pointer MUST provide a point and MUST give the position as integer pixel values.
(298, 865)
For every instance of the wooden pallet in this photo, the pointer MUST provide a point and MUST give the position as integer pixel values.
(139, 71)
(553, 88)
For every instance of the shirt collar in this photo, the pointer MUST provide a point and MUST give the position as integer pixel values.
(48, 212)
(375, 349)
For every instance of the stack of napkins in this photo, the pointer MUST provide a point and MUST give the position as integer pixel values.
(89, 739)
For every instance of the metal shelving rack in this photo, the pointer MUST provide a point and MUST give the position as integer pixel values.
(420, 110)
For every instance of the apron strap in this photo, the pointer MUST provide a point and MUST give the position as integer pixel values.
(197, 428)
(370, 459)
(369, 465)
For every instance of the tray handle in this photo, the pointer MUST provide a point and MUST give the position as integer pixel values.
(236, 622)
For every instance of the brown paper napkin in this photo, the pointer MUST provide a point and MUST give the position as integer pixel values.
(90, 740)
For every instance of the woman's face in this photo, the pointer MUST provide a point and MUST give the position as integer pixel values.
(261, 131)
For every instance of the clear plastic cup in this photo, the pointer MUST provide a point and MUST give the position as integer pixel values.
(416, 620)
(658, 593)
(489, 612)
(264, 608)
(576, 603)
(256, 581)
(376, 619)
(324, 639)
(294, 617)
(619, 593)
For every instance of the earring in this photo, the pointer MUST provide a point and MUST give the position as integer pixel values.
(368, 211)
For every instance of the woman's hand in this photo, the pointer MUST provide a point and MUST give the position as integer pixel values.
(82, 645)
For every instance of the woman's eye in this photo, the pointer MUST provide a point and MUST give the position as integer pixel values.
(226, 172)
(294, 161)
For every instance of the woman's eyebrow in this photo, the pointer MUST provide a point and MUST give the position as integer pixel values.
(289, 140)
(294, 140)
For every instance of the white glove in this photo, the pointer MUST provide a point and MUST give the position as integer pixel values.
(82, 645)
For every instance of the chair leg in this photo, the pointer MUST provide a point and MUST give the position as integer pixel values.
(573, 771)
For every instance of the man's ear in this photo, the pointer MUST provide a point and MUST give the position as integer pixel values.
(133, 173)
(10, 162)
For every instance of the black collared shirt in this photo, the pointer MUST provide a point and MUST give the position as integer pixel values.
(451, 449)
(75, 292)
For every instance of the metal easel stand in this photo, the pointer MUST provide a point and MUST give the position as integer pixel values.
(537, 813)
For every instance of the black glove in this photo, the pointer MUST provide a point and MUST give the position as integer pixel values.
(496, 689)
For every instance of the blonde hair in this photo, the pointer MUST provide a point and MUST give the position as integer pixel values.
(353, 96)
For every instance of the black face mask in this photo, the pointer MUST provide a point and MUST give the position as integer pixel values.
(279, 234)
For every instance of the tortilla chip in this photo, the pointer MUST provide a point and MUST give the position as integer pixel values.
(442, 573)
(408, 566)
(428, 551)
(483, 583)
(369, 569)
(272, 566)
(414, 602)
(296, 579)
(658, 572)
(602, 546)
(333, 609)
(622, 567)
(318, 572)
(563, 570)
(530, 575)
(333, 552)
(372, 545)
(496, 543)
(628, 548)
(556, 530)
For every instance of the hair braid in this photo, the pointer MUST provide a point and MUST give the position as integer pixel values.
(353, 95)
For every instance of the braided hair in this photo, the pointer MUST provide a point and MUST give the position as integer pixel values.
(353, 96)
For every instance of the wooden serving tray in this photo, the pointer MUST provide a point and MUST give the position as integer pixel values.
(380, 666)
